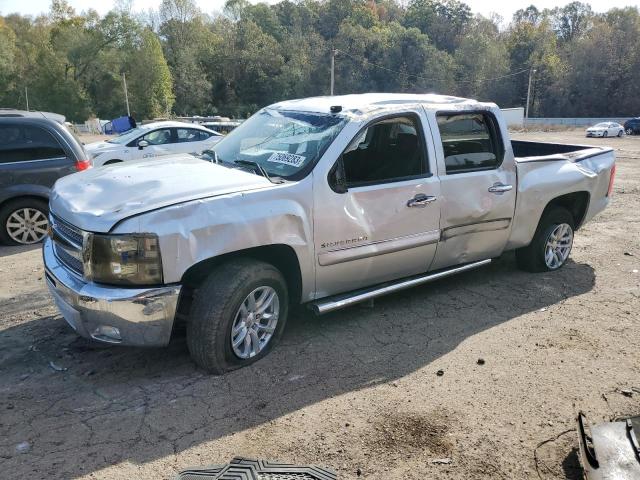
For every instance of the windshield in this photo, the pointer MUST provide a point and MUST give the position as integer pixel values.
(281, 142)
(602, 125)
(126, 137)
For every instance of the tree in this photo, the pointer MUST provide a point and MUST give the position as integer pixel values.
(151, 93)
(442, 20)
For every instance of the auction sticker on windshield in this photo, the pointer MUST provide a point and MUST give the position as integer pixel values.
(287, 159)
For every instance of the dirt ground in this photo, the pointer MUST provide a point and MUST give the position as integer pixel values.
(356, 390)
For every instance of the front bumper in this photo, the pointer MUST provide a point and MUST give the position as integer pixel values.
(595, 134)
(126, 316)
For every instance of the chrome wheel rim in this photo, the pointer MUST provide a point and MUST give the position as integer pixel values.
(558, 246)
(255, 322)
(27, 225)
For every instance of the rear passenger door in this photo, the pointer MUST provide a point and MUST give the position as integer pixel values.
(478, 186)
(30, 155)
(190, 140)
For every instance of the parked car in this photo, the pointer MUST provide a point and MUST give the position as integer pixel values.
(12, 112)
(632, 126)
(324, 201)
(34, 153)
(606, 129)
(153, 140)
(222, 127)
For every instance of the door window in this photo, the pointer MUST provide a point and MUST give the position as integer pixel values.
(191, 135)
(19, 143)
(158, 137)
(390, 150)
(470, 142)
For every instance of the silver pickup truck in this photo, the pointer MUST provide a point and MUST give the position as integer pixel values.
(323, 201)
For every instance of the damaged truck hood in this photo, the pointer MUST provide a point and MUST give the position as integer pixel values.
(96, 199)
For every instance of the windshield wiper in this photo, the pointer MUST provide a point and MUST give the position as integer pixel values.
(259, 168)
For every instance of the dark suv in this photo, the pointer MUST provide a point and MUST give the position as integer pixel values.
(632, 126)
(34, 153)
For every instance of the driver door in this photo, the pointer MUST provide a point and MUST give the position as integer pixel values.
(160, 143)
(382, 222)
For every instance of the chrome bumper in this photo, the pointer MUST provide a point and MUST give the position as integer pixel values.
(125, 316)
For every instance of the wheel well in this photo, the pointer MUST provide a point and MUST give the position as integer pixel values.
(576, 203)
(24, 197)
(109, 162)
(283, 257)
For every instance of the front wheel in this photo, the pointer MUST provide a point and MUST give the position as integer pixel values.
(620, 133)
(629, 131)
(551, 244)
(237, 316)
(605, 134)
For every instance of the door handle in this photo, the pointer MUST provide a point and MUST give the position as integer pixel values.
(500, 188)
(421, 200)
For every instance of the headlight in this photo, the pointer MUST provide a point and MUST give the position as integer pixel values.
(123, 259)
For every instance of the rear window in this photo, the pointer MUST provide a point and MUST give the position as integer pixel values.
(469, 142)
(19, 143)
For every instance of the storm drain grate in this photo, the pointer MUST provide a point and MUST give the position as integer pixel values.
(249, 469)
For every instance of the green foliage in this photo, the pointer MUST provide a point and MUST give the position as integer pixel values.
(179, 60)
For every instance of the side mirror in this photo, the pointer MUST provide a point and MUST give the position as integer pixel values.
(337, 178)
(142, 144)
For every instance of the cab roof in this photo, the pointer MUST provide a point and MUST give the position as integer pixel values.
(366, 102)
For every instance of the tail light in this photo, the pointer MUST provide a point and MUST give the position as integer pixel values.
(83, 165)
(612, 175)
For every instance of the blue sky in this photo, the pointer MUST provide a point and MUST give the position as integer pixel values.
(485, 7)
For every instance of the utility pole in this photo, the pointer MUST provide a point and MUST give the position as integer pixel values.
(531, 72)
(126, 95)
(333, 67)
(26, 95)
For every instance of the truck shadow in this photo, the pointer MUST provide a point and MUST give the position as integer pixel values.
(114, 405)
(7, 251)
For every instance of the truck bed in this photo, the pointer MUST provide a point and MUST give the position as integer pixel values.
(542, 151)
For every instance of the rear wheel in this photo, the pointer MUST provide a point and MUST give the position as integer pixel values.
(551, 244)
(629, 131)
(237, 316)
(24, 221)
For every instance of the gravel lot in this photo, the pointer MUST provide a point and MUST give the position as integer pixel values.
(355, 390)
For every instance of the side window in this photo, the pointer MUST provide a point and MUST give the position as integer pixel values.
(190, 135)
(158, 137)
(469, 141)
(203, 135)
(386, 151)
(19, 143)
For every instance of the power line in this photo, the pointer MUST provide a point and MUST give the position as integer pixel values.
(365, 61)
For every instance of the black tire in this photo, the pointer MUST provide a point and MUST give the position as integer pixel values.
(605, 134)
(629, 131)
(215, 305)
(620, 133)
(532, 257)
(111, 162)
(12, 206)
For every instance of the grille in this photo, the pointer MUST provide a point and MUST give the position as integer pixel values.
(249, 469)
(66, 235)
(69, 260)
(66, 230)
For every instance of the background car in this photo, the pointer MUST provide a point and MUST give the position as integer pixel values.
(632, 126)
(153, 140)
(34, 153)
(606, 129)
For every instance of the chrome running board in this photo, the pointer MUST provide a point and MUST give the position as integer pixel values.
(329, 304)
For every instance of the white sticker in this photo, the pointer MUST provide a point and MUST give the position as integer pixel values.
(287, 159)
